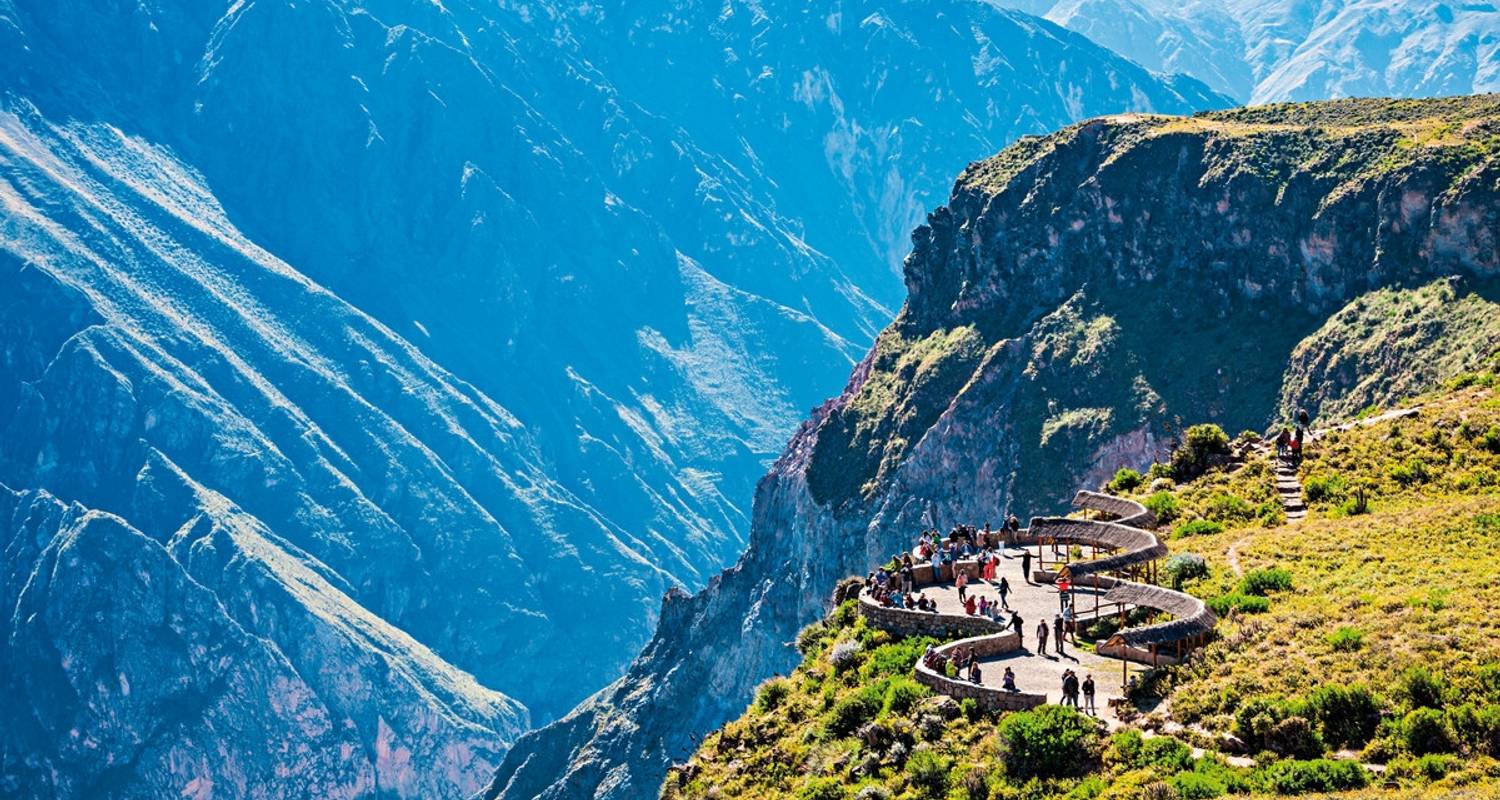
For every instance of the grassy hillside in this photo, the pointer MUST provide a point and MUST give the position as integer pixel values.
(1367, 632)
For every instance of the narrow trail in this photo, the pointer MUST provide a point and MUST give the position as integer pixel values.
(1289, 484)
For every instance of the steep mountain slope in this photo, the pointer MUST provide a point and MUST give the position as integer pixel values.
(1296, 50)
(1080, 297)
(654, 282)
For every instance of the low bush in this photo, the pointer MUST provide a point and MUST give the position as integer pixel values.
(1410, 472)
(1317, 775)
(928, 773)
(1345, 715)
(1186, 567)
(1264, 581)
(1229, 508)
(1491, 439)
(1346, 639)
(1256, 718)
(1431, 767)
(1325, 488)
(854, 710)
(1477, 727)
(845, 656)
(1047, 742)
(1125, 480)
(1164, 506)
(1197, 786)
(1418, 687)
(903, 694)
(895, 658)
(1197, 527)
(822, 789)
(771, 693)
(1243, 603)
(1426, 730)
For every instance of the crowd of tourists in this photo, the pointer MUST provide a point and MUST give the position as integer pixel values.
(894, 585)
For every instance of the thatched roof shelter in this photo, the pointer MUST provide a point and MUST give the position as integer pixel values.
(1191, 618)
(1125, 511)
(1131, 546)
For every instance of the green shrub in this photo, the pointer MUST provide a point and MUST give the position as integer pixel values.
(1321, 488)
(1477, 727)
(822, 789)
(1410, 472)
(1431, 767)
(1124, 748)
(1317, 775)
(903, 694)
(1125, 480)
(1229, 508)
(928, 772)
(1491, 439)
(1047, 742)
(1186, 567)
(1426, 730)
(1244, 603)
(1420, 688)
(1488, 681)
(1163, 505)
(969, 708)
(1346, 639)
(854, 710)
(1345, 715)
(1255, 718)
(1197, 527)
(1264, 581)
(1197, 786)
(1294, 737)
(771, 693)
(895, 658)
(1160, 472)
(1170, 754)
(1199, 444)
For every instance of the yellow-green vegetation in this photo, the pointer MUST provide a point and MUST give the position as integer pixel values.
(1372, 624)
(1349, 141)
(851, 724)
(1363, 636)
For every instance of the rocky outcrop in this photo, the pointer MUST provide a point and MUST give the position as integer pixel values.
(1080, 298)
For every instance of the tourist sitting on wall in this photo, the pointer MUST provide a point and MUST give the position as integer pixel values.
(897, 601)
(970, 607)
(975, 676)
(1008, 682)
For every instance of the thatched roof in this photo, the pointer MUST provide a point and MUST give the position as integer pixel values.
(1191, 616)
(1131, 545)
(1125, 512)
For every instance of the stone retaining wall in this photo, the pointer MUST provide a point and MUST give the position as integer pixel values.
(906, 622)
(988, 698)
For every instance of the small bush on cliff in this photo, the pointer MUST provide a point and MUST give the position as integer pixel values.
(1319, 775)
(1048, 742)
(1186, 567)
(928, 773)
(1264, 581)
(823, 789)
(854, 710)
(1163, 505)
(1125, 480)
(771, 693)
(1200, 444)
(903, 695)
(1345, 715)
(1426, 730)
(1197, 527)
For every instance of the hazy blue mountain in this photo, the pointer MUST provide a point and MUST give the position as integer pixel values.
(1280, 50)
(425, 341)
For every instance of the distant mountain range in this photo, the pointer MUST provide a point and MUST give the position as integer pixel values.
(1263, 51)
(368, 371)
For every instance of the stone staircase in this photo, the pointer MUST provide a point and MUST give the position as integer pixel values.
(1289, 488)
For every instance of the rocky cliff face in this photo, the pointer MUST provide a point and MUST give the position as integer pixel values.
(1080, 298)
